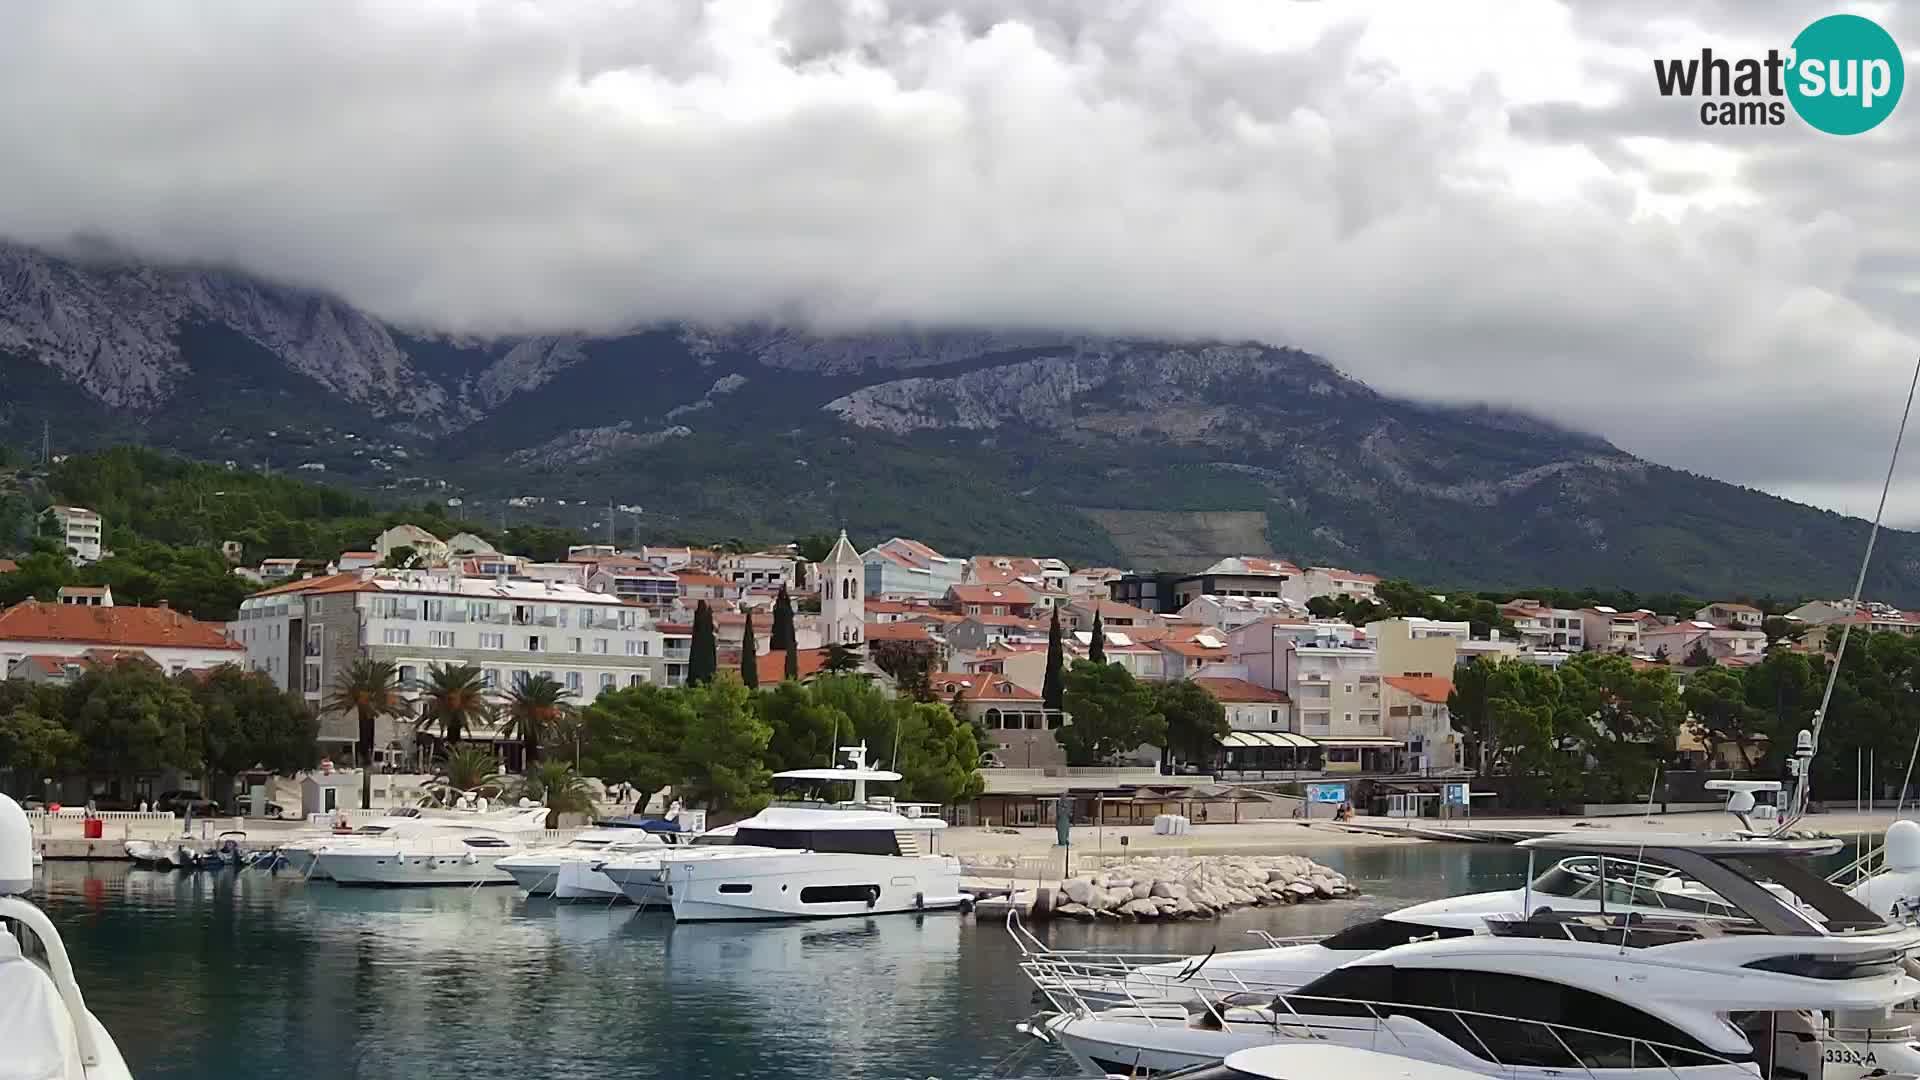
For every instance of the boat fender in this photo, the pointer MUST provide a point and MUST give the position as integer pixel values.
(919, 901)
(966, 906)
(873, 895)
(472, 858)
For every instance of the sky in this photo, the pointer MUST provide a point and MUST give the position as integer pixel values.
(1466, 202)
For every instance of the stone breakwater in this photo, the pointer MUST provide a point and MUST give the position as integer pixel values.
(1198, 887)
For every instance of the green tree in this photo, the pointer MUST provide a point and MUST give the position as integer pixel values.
(401, 557)
(814, 548)
(908, 662)
(131, 719)
(634, 737)
(723, 758)
(1097, 642)
(472, 767)
(1782, 631)
(1113, 714)
(1719, 712)
(250, 723)
(703, 660)
(1470, 709)
(1627, 720)
(782, 636)
(34, 736)
(749, 656)
(800, 727)
(1196, 721)
(533, 709)
(842, 659)
(369, 689)
(1052, 686)
(1698, 656)
(935, 753)
(556, 786)
(791, 670)
(453, 698)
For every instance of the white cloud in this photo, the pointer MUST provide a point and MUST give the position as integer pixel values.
(1468, 203)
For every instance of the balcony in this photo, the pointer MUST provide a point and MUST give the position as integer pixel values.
(678, 655)
(537, 620)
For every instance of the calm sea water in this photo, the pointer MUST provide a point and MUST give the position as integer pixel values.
(250, 975)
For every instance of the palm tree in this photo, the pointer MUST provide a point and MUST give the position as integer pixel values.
(470, 768)
(454, 698)
(555, 785)
(369, 689)
(533, 707)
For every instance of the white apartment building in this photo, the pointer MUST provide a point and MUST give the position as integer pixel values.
(304, 634)
(1228, 612)
(80, 532)
(758, 570)
(1335, 690)
(1613, 630)
(1546, 628)
(1328, 581)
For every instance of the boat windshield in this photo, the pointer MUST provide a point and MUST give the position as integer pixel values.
(1624, 882)
(843, 841)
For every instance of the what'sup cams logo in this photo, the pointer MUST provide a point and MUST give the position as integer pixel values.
(1843, 76)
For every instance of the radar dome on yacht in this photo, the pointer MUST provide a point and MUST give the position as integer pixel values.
(1903, 846)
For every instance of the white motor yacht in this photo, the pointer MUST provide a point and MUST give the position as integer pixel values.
(447, 853)
(1306, 1061)
(820, 860)
(568, 872)
(1807, 983)
(298, 856)
(642, 876)
(44, 1023)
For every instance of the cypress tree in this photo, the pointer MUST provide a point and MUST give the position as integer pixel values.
(782, 636)
(1097, 650)
(749, 661)
(703, 660)
(793, 660)
(1053, 691)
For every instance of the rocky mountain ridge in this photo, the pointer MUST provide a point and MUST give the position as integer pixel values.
(1140, 452)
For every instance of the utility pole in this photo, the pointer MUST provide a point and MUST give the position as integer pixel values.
(46, 444)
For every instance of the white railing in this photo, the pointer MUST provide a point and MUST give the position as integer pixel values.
(76, 813)
(1084, 983)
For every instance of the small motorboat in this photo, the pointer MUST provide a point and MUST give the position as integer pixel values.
(44, 1023)
(151, 853)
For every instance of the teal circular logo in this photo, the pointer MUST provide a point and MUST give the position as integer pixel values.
(1847, 74)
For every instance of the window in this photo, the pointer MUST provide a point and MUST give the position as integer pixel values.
(844, 841)
(575, 682)
(440, 639)
(434, 610)
(486, 842)
(408, 675)
(490, 678)
(600, 646)
(546, 674)
(493, 641)
(573, 644)
(1033, 721)
(398, 636)
(533, 642)
(1386, 933)
(313, 678)
(735, 887)
(636, 680)
(840, 894)
(606, 680)
(636, 648)
(991, 719)
(521, 676)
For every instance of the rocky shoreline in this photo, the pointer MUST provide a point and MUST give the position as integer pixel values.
(1195, 887)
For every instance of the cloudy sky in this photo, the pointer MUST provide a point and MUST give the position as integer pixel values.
(1465, 201)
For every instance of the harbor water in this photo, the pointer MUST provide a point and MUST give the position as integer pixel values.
(213, 976)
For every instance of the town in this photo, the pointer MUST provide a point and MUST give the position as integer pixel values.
(1228, 690)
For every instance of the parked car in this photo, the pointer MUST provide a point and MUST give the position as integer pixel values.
(179, 802)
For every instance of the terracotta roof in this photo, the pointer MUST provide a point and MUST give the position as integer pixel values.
(1429, 688)
(122, 627)
(979, 686)
(83, 590)
(1112, 609)
(990, 594)
(674, 628)
(358, 555)
(985, 572)
(1191, 648)
(1020, 621)
(1241, 690)
(700, 577)
(8, 566)
(1731, 606)
(344, 582)
(897, 631)
(1347, 575)
(894, 607)
(772, 665)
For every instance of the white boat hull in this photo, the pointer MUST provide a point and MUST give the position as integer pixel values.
(810, 885)
(394, 868)
(578, 880)
(644, 885)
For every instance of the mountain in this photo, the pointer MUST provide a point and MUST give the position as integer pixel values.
(1139, 453)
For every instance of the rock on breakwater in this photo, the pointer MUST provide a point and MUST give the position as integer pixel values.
(1196, 887)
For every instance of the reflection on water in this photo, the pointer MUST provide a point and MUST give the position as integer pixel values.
(226, 975)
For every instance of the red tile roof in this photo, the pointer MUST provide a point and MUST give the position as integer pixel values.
(1190, 648)
(984, 572)
(771, 666)
(8, 566)
(1019, 621)
(1430, 688)
(1347, 575)
(348, 581)
(979, 686)
(121, 627)
(1240, 690)
(897, 631)
(990, 594)
(1112, 609)
(893, 607)
(701, 577)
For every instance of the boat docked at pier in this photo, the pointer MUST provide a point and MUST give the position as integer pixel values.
(445, 853)
(570, 871)
(48, 1032)
(820, 860)
(1760, 961)
(299, 856)
(641, 876)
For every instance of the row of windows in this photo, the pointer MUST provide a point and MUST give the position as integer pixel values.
(444, 639)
